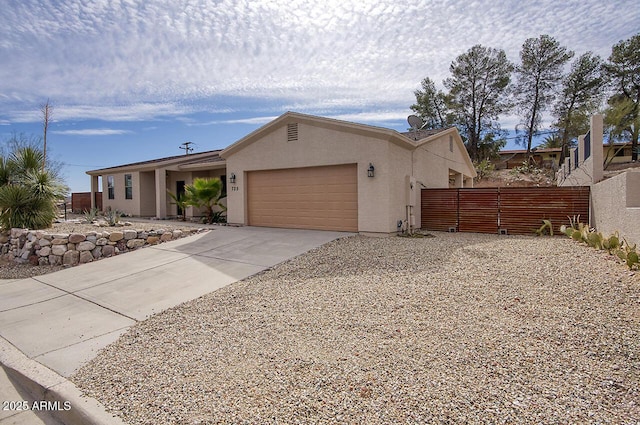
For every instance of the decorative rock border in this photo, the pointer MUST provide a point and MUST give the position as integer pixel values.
(41, 248)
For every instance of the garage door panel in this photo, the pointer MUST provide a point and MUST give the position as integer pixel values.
(308, 198)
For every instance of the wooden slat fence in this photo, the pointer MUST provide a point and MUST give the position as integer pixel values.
(81, 201)
(511, 210)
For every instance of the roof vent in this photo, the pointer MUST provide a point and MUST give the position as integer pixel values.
(292, 132)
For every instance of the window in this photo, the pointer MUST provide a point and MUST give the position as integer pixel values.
(110, 190)
(128, 187)
(450, 143)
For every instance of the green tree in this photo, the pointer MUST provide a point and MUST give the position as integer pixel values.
(206, 193)
(580, 97)
(28, 193)
(542, 61)
(431, 105)
(623, 73)
(551, 141)
(477, 94)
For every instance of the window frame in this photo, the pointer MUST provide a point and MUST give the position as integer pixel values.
(128, 186)
(111, 193)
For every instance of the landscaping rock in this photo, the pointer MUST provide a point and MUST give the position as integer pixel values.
(44, 242)
(85, 257)
(166, 236)
(97, 252)
(58, 250)
(135, 243)
(130, 234)
(55, 260)
(108, 250)
(153, 240)
(71, 258)
(44, 251)
(116, 236)
(85, 246)
(101, 241)
(59, 241)
(76, 238)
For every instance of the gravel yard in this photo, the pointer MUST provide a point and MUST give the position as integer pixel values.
(458, 328)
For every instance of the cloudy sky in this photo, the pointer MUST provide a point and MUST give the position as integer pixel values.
(131, 80)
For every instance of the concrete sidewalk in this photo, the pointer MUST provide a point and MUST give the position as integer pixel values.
(62, 319)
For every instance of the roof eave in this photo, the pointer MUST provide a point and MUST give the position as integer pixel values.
(380, 132)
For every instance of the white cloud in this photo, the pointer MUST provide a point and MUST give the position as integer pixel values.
(163, 57)
(91, 132)
(254, 120)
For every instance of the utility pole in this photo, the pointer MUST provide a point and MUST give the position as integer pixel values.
(187, 147)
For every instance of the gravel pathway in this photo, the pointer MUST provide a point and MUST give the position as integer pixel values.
(459, 328)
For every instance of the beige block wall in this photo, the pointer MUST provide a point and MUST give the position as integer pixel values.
(615, 206)
(319, 146)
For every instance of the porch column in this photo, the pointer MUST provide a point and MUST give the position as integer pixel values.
(161, 193)
(459, 183)
(94, 190)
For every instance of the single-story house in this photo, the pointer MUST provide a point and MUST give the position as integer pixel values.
(550, 157)
(303, 171)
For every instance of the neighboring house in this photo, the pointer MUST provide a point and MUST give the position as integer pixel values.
(543, 157)
(303, 171)
(550, 157)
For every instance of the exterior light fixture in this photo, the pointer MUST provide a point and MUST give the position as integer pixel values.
(232, 178)
(371, 170)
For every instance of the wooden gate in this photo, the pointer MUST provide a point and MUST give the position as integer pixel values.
(511, 210)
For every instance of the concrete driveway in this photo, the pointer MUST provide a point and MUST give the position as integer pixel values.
(62, 319)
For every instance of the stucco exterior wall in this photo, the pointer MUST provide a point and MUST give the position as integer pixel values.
(615, 206)
(433, 160)
(128, 206)
(147, 190)
(399, 169)
(320, 146)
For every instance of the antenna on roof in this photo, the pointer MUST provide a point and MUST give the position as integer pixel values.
(187, 147)
(416, 124)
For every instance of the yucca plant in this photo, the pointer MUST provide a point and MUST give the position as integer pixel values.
(28, 194)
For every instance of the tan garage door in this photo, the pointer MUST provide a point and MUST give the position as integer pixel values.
(324, 198)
